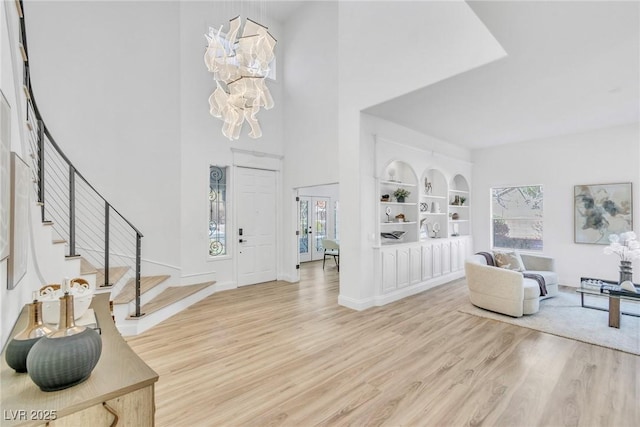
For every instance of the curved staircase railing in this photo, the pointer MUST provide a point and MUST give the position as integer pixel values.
(80, 216)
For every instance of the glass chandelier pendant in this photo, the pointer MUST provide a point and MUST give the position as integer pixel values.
(239, 66)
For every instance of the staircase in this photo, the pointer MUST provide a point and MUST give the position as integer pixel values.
(83, 235)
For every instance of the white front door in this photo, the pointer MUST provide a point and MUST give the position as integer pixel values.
(256, 225)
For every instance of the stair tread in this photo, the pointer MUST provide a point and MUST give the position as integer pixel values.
(128, 293)
(172, 294)
(115, 274)
(86, 267)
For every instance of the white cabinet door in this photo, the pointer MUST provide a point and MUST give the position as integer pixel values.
(403, 266)
(437, 259)
(446, 257)
(389, 270)
(427, 262)
(462, 253)
(455, 258)
(415, 265)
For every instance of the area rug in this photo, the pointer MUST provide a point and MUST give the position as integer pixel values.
(563, 316)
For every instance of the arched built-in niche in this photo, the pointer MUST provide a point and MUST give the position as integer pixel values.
(398, 221)
(433, 205)
(459, 218)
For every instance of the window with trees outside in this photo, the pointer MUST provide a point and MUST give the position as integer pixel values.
(517, 217)
(217, 211)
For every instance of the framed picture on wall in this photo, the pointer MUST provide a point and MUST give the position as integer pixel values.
(601, 210)
(19, 237)
(5, 175)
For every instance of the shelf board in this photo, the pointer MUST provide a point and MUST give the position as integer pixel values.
(402, 184)
(432, 213)
(398, 203)
(459, 220)
(458, 206)
(398, 223)
(459, 191)
(428, 196)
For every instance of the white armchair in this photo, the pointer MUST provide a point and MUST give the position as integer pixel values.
(507, 291)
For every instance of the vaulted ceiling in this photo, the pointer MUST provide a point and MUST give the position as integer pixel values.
(571, 67)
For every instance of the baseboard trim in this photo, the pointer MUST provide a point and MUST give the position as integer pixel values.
(289, 278)
(225, 286)
(193, 279)
(355, 304)
(399, 294)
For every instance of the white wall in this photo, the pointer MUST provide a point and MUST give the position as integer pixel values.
(311, 95)
(106, 79)
(310, 99)
(202, 141)
(330, 190)
(604, 156)
(379, 59)
(11, 71)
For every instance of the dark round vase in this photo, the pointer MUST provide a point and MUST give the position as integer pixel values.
(17, 351)
(66, 357)
(19, 347)
(59, 363)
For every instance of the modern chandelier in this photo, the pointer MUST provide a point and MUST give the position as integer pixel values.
(240, 65)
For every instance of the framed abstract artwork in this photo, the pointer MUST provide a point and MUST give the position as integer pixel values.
(19, 236)
(5, 175)
(601, 210)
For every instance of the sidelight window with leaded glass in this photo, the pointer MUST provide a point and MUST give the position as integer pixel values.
(217, 211)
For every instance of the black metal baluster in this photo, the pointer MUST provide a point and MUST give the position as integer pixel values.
(106, 244)
(72, 210)
(41, 167)
(138, 261)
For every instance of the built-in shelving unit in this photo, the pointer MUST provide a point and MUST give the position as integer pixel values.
(433, 221)
(428, 254)
(459, 217)
(399, 216)
(439, 208)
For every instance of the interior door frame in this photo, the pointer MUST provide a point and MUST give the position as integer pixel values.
(329, 226)
(317, 255)
(263, 161)
(301, 200)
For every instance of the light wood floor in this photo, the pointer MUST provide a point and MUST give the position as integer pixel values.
(287, 354)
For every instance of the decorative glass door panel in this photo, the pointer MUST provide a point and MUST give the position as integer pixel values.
(304, 240)
(315, 225)
(320, 221)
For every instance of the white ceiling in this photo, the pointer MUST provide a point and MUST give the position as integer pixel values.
(280, 10)
(571, 67)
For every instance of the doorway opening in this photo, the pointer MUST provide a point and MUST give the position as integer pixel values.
(318, 219)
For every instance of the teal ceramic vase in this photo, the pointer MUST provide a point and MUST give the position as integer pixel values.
(66, 357)
(19, 347)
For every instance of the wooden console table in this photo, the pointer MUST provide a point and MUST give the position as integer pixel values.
(120, 388)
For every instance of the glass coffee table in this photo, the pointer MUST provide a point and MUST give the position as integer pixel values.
(610, 289)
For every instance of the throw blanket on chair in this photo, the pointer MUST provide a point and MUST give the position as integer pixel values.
(489, 257)
(538, 278)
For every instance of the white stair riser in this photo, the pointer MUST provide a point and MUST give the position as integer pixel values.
(52, 263)
(150, 294)
(72, 267)
(128, 327)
